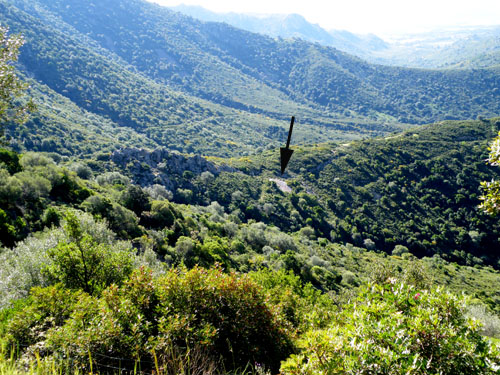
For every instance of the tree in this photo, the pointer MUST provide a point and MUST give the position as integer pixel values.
(11, 87)
(84, 263)
(491, 189)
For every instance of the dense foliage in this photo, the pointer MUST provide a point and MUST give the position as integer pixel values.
(119, 255)
(419, 189)
(220, 316)
(395, 328)
(115, 313)
(253, 67)
(491, 189)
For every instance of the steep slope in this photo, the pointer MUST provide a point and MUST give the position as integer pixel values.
(69, 65)
(259, 74)
(419, 189)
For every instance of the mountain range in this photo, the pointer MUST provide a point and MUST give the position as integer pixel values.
(146, 72)
(472, 47)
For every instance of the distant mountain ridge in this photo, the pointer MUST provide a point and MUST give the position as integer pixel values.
(473, 47)
(290, 26)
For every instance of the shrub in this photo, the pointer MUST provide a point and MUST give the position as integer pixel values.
(121, 220)
(396, 329)
(399, 250)
(490, 322)
(82, 170)
(135, 199)
(349, 278)
(11, 160)
(31, 160)
(369, 244)
(159, 192)
(33, 186)
(303, 305)
(10, 189)
(47, 308)
(112, 178)
(51, 217)
(223, 316)
(22, 266)
(83, 263)
(66, 188)
(162, 215)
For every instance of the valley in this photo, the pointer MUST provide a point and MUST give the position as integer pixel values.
(145, 225)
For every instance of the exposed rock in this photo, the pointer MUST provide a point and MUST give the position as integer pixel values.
(162, 166)
(282, 185)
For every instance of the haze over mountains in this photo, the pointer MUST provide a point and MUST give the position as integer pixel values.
(461, 46)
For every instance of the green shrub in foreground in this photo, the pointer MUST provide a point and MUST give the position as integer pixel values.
(396, 329)
(222, 317)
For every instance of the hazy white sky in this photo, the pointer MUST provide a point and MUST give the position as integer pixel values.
(378, 16)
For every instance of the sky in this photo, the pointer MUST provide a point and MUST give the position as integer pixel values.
(381, 17)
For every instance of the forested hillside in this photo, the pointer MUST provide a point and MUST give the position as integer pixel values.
(238, 68)
(144, 70)
(419, 189)
(89, 240)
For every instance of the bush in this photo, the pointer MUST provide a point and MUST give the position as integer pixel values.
(51, 217)
(33, 186)
(22, 266)
(490, 322)
(112, 178)
(303, 305)
(159, 192)
(135, 199)
(396, 329)
(223, 316)
(82, 170)
(47, 308)
(121, 220)
(399, 250)
(83, 263)
(11, 160)
(162, 215)
(66, 188)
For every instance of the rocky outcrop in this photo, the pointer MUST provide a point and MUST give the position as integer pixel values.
(162, 166)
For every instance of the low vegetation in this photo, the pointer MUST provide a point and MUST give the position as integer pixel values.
(114, 277)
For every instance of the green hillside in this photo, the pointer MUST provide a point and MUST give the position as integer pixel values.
(189, 85)
(67, 64)
(245, 70)
(106, 267)
(419, 189)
